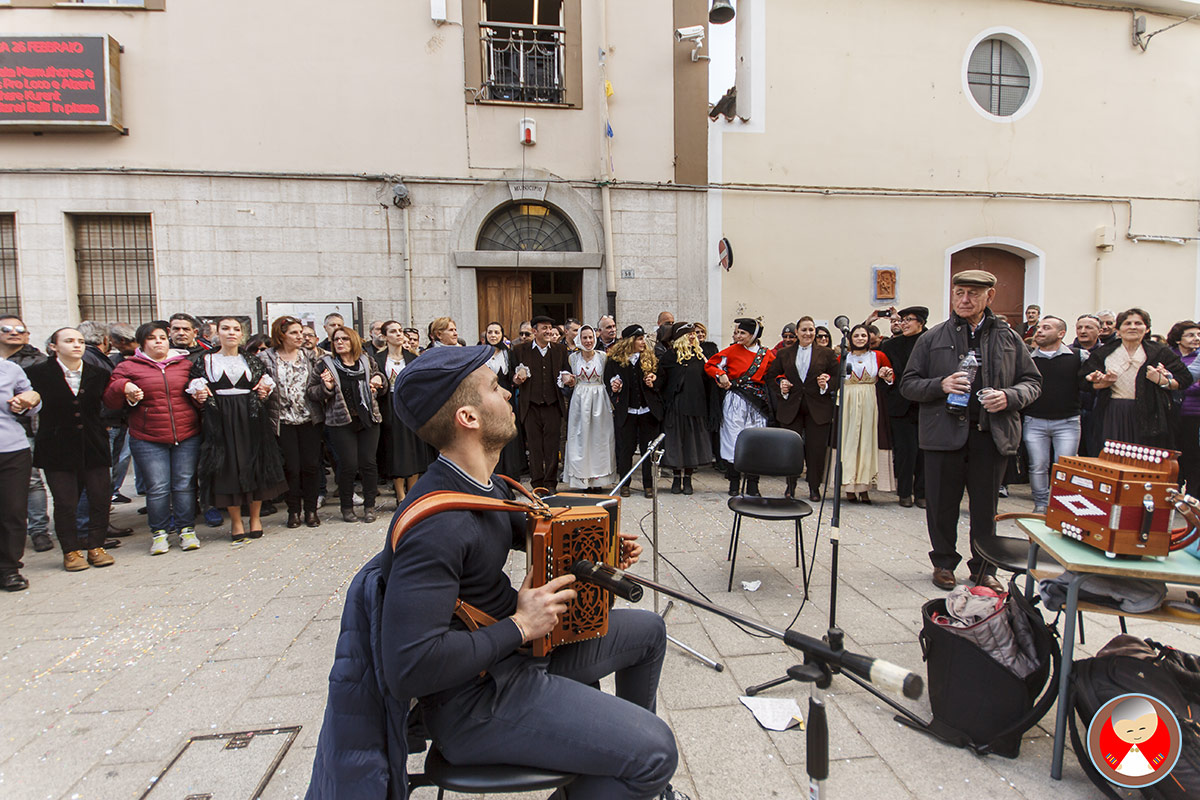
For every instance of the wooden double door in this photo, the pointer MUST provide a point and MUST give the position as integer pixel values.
(511, 297)
(1009, 269)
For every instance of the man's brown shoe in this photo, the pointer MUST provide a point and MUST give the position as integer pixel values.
(944, 578)
(993, 583)
(99, 557)
(906, 502)
(73, 561)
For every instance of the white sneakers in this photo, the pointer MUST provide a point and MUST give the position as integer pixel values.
(187, 541)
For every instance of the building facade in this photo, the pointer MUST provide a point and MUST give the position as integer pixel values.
(883, 145)
(483, 159)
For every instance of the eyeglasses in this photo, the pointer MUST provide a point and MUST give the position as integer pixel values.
(526, 334)
(13, 329)
(910, 319)
(822, 335)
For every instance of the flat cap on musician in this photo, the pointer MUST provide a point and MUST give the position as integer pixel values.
(974, 277)
(428, 382)
(920, 312)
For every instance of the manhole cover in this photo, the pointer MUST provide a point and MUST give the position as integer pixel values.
(223, 766)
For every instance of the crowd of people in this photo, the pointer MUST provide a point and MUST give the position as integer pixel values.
(221, 425)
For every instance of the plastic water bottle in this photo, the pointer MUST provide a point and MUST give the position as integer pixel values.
(956, 402)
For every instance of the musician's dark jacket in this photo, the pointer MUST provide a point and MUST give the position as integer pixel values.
(71, 436)
(410, 640)
(632, 379)
(820, 406)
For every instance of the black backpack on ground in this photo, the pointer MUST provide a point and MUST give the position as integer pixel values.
(1129, 665)
(992, 721)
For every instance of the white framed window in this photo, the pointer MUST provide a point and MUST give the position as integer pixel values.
(1001, 74)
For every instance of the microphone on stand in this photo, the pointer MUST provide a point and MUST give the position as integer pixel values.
(842, 323)
(606, 577)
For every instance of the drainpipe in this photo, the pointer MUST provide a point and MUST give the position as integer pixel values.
(610, 260)
(408, 275)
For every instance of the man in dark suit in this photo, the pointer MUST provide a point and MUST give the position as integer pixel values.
(904, 413)
(802, 381)
(538, 368)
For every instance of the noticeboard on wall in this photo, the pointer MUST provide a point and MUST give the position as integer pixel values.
(60, 83)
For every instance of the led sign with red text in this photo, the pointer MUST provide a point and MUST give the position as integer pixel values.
(59, 82)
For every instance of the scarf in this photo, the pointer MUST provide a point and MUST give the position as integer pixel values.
(359, 374)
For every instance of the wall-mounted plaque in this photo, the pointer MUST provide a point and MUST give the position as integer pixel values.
(60, 83)
(883, 284)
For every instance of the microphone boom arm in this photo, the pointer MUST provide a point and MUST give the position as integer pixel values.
(881, 673)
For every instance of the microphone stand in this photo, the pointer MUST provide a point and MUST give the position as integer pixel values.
(655, 452)
(835, 520)
(822, 660)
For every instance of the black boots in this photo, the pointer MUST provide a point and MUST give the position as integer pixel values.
(735, 483)
(752, 486)
(687, 482)
(677, 484)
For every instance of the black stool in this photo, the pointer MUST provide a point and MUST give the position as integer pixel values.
(484, 778)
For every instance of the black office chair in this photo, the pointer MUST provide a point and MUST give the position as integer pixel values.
(484, 778)
(774, 452)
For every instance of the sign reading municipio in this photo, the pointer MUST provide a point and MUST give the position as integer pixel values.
(60, 83)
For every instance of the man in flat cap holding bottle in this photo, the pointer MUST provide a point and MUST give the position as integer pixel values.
(970, 418)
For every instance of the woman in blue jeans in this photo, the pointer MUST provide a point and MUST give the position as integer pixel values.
(164, 431)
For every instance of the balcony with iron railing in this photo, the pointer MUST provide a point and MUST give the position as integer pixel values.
(522, 63)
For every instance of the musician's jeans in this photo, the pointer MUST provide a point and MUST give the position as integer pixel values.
(1039, 435)
(548, 716)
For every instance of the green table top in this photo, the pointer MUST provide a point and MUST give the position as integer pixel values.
(1178, 567)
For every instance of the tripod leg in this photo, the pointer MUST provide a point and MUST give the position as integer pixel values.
(762, 687)
(803, 557)
(737, 528)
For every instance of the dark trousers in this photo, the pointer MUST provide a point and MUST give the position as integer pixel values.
(15, 469)
(978, 467)
(542, 423)
(636, 434)
(301, 448)
(354, 452)
(816, 446)
(548, 716)
(907, 458)
(1189, 458)
(65, 487)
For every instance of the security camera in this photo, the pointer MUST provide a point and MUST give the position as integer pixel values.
(692, 33)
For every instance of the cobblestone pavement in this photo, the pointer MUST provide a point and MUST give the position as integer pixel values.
(105, 674)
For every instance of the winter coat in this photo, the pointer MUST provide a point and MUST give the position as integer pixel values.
(1006, 366)
(71, 436)
(629, 374)
(165, 414)
(1152, 403)
(314, 394)
(336, 412)
(362, 748)
(25, 358)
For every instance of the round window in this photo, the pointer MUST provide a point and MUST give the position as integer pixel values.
(1001, 74)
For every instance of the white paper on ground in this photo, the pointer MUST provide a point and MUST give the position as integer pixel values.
(751, 586)
(774, 714)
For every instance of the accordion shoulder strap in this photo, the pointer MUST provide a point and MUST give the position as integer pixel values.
(437, 502)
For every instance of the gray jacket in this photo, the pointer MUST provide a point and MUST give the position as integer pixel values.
(1006, 366)
(336, 412)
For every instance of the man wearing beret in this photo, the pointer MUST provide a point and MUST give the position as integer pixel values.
(484, 699)
(968, 450)
(538, 368)
(902, 412)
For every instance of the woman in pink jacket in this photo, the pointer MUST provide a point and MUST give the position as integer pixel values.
(164, 431)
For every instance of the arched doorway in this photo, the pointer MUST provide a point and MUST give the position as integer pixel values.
(512, 295)
(1009, 269)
